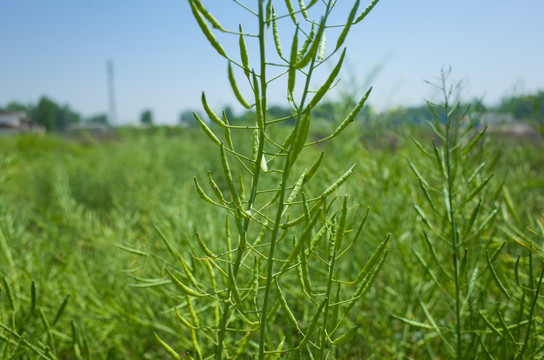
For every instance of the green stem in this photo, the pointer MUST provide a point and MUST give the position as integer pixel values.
(454, 243)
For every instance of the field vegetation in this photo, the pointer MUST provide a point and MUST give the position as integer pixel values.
(326, 231)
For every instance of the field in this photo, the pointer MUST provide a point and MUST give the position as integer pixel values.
(315, 229)
(89, 225)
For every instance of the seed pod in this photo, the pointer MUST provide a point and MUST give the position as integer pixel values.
(9, 294)
(228, 138)
(213, 116)
(290, 317)
(341, 225)
(291, 11)
(229, 179)
(313, 324)
(234, 87)
(352, 114)
(300, 137)
(206, 30)
(167, 348)
(313, 49)
(60, 311)
(338, 182)
(296, 189)
(345, 31)
(276, 33)
(32, 297)
(202, 194)
(216, 189)
(310, 173)
(302, 51)
(186, 290)
(243, 53)
(322, 48)
(258, 104)
(342, 339)
(495, 276)
(326, 86)
(292, 60)
(366, 11)
(303, 10)
(473, 142)
(305, 272)
(207, 15)
(204, 248)
(209, 133)
(299, 245)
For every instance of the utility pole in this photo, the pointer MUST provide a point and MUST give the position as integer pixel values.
(113, 110)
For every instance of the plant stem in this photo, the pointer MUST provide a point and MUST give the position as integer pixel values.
(452, 221)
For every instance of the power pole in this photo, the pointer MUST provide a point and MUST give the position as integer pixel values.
(113, 110)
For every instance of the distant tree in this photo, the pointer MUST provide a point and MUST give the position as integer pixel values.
(15, 107)
(524, 107)
(50, 115)
(98, 119)
(146, 118)
(45, 113)
(187, 118)
(66, 117)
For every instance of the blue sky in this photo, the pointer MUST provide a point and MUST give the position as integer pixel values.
(163, 62)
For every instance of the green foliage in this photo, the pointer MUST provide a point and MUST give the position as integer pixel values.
(146, 118)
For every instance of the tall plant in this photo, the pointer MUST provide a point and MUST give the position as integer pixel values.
(469, 306)
(274, 289)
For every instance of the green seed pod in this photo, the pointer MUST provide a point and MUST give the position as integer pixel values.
(206, 30)
(229, 179)
(338, 182)
(315, 45)
(167, 348)
(276, 33)
(234, 87)
(209, 133)
(296, 190)
(204, 248)
(292, 69)
(326, 86)
(202, 194)
(345, 31)
(216, 190)
(228, 138)
(186, 290)
(313, 324)
(207, 15)
(213, 116)
(291, 11)
(290, 317)
(310, 173)
(258, 104)
(9, 294)
(32, 297)
(243, 53)
(303, 10)
(60, 311)
(301, 241)
(341, 340)
(366, 11)
(322, 48)
(300, 137)
(352, 114)
(306, 44)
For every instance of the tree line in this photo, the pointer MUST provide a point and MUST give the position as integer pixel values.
(52, 116)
